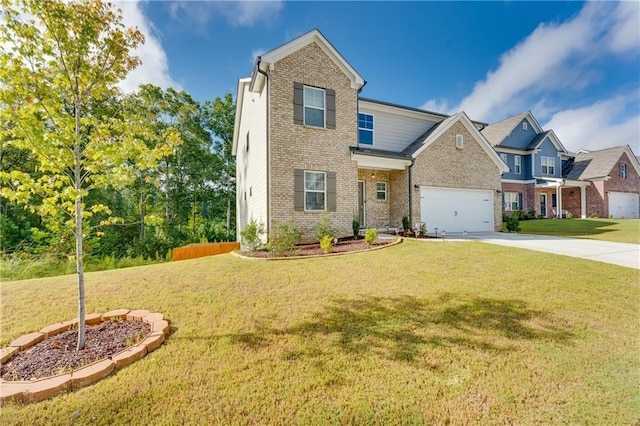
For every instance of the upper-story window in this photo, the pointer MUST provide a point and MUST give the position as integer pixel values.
(548, 165)
(525, 125)
(365, 129)
(517, 166)
(313, 106)
(622, 171)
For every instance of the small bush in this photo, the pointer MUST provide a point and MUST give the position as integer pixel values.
(512, 224)
(405, 223)
(594, 216)
(251, 235)
(569, 215)
(326, 244)
(324, 229)
(423, 229)
(370, 236)
(355, 227)
(283, 238)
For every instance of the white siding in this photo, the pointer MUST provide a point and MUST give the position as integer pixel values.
(394, 132)
(251, 166)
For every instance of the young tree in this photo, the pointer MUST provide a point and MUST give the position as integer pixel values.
(60, 61)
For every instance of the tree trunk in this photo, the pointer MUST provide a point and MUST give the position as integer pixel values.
(79, 231)
(143, 209)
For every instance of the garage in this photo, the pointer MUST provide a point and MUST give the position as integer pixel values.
(456, 209)
(623, 205)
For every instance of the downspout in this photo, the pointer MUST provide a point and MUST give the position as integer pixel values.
(266, 77)
(410, 183)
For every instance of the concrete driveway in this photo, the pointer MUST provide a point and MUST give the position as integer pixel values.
(623, 254)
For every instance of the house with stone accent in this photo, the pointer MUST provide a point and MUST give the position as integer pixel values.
(612, 176)
(307, 146)
(544, 177)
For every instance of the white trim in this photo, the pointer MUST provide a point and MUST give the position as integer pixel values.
(517, 164)
(242, 83)
(375, 106)
(525, 125)
(323, 109)
(512, 150)
(553, 161)
(386, 192)
(379, 163)
(463, 118)
(524, 182)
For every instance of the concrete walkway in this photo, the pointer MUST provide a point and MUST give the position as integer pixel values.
(623, 254)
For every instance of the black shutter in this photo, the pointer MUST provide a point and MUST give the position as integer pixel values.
(331, 108)
(331, 191)
(520, 206)
(298, 103)
(298, 190)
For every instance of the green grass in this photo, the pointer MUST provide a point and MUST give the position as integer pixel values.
(617, 230)
(419, 333)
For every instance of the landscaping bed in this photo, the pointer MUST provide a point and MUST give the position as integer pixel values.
(306, 250)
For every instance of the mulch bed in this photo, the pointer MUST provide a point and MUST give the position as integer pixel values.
(314, 249)
(58, 354)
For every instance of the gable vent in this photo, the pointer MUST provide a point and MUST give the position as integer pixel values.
(459, 141)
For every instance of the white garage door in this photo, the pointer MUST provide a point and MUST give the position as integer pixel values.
(623, 205)
(456, 210)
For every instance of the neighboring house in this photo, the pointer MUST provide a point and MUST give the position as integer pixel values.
(308, 146)
(613, 178)
(546, 178)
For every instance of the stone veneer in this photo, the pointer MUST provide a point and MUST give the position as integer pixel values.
(41, 389)
(293, 146)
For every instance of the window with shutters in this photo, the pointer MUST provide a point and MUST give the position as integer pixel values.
(314, 191)
(313, 106)
(511, 201)
(365, 129)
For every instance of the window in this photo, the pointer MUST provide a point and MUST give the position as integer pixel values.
(517, 164)
(511, 201)
(548, 165)
(459, 141)
(525, 125)
(623, 171)
(365, 129)
(381, 191)
(247, 146)
(313, 106)
(314, 191)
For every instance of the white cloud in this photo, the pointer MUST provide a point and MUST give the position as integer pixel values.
(154, 68)
(255, 54)
(598, 126)
(236, 13)
(626, 35)
(436, 105)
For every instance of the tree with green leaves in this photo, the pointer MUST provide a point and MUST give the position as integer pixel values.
(60, 63)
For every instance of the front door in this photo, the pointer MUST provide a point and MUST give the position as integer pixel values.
(362, 201)
(543, 205)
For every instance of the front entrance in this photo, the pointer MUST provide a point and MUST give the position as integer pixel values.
(543, 205)
(362, 201)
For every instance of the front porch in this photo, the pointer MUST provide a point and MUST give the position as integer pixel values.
(559, 198)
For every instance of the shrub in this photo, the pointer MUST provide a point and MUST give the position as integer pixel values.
(324, 229)
(283, 237)
(569, 215)
(326, 244)
(370, 236)
(513, 224)
(355, 226)
(405, 223)
(532, 214)
(594, 216)
(251, 235)
(423, 229)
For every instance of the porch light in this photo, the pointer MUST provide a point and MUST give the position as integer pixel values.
(498, 191)
(373, 175)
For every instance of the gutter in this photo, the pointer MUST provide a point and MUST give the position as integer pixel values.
(266, 76)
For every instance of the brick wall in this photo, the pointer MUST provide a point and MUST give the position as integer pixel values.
(299, 147)
(441, 164)
(617, 184)
(528, 191)
(571, 201)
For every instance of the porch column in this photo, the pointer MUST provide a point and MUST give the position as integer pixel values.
(583, 202)
(559, 201)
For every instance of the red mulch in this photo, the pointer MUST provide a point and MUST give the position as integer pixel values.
(58, 354)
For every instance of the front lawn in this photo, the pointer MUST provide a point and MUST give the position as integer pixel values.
(422, 332)
(617, 230)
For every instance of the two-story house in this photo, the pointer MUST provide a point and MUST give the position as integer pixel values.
(307, 146)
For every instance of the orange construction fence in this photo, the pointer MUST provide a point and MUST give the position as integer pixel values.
(200, 250)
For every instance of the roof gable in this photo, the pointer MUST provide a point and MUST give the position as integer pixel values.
(600, 164)
(497, 132)
(267, 60)
(553, 138)
(439, 129)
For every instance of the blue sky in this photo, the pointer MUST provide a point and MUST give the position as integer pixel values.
(575, 65)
